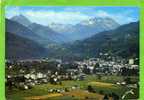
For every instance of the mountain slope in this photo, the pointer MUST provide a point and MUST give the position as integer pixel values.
(21, 19)
(21, 48)
(21, 30)
(47, 33)
(86, 28)
(123, 41)
(92, 26)
(26, 32)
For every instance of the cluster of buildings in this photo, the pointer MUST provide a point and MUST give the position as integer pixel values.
(102, 66)
(25, 80)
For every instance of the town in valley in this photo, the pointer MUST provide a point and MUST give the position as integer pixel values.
(108, 77)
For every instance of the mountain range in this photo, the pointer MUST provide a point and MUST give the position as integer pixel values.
(62, 33)
(47, 33)
(122, 41)
(86, 38)
(20, 30)
(86, 28)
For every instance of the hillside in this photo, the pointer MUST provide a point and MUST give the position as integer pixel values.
(47, 33)
(123, 41)
(22, 48)
(20, 30)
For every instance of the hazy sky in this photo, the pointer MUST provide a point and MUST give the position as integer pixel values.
(73, 14)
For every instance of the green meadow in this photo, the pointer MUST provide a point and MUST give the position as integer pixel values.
(103, 85)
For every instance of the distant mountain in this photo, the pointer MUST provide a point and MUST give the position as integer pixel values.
(21, 30)
(21, 19)
(122, 41)
(92, 26)
(67, 30)
(63, 28)
(18, 47)
(87, 38)
(62, 33)
(47, 33)
(86, 28)
(26, 32)
(105, 22)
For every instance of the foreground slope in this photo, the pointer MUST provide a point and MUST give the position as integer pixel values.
(18, 47)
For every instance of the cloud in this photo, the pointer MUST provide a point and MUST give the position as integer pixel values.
(101, 13)
(45, 17)
(12, 11)
(69, 15)
(80, 9)
(121, 18)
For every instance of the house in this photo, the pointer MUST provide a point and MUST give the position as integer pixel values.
(131, 61)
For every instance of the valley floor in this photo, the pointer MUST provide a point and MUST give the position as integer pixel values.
(104, 86)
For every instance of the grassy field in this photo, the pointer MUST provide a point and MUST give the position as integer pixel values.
(76, 94)
(106, 84)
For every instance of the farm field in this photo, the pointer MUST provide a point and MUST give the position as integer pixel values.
(105, 85)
